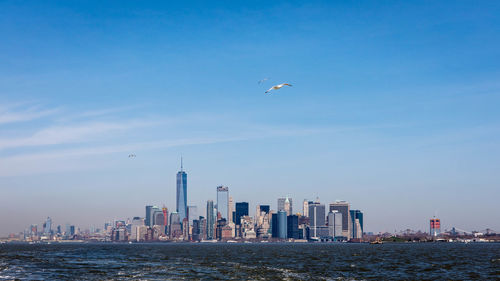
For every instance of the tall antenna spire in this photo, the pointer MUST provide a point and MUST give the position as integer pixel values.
(181, 165)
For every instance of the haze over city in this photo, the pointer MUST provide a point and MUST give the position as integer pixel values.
(393, 108)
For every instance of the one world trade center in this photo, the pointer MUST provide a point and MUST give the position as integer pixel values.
(181, 202)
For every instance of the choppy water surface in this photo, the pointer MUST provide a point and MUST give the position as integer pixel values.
(250, 261)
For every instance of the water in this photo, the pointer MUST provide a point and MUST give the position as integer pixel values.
(170, 261)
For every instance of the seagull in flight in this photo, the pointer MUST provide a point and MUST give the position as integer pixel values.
(131, 155)
(263, 80)
(277, 87)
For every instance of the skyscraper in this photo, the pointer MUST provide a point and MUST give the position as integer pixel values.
(192, 214)
(150, 215)
(292, 227)
(47, 226)
(241, 210)
(196, 230)
(223, 201)
(165, 216)
(435, 227)
(334, 224)
(305, 208)
(343, 208)
(175, 229)
(260, 211)
(156, 216)
(148, 220)
(316, 218)
(285, 204)
(181, 202)
(274, 225)
(203, 228)
(136, 229)
(264, 208)
(230, 209)
(210, 220)
(282, 224)
(356, 224)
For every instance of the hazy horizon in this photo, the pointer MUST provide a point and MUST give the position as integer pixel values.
(393, 108)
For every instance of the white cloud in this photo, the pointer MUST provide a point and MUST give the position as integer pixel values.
(62, 159)
(69, 134)
(68, 138)
(12, 115)
(69, 159)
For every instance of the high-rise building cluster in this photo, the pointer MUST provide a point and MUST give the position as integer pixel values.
(223, 219)
(226, 220)
(48, 232)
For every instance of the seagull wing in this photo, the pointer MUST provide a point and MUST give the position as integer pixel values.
(270, 89)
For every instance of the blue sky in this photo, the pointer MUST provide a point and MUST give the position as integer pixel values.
(394, 107)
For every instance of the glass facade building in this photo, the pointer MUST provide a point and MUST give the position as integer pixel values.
(153, 211)
(334, 224)
(223, 202)
(148, 219)
(356, 223)
(210, 220)
(282, 224)
(316, 218)
(343, 208)
(292, 227)
(241, 210)
(264, 208)
(274, 225)
(181, 199)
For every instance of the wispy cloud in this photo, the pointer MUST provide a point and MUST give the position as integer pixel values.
(71, 159)
(12, 114)
(123, 146)
(60, 158)
(75, 140)
(96, 113)
(110, 149)
(70, 134)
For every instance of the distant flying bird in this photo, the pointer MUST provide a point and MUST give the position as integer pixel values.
(131, 155)
(263, 80)
(277, 87)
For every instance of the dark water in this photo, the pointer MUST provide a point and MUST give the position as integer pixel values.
(250, 261)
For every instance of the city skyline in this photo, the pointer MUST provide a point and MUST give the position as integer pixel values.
(342, 206)
(217, 224)
(350, 222)
(393, 108)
